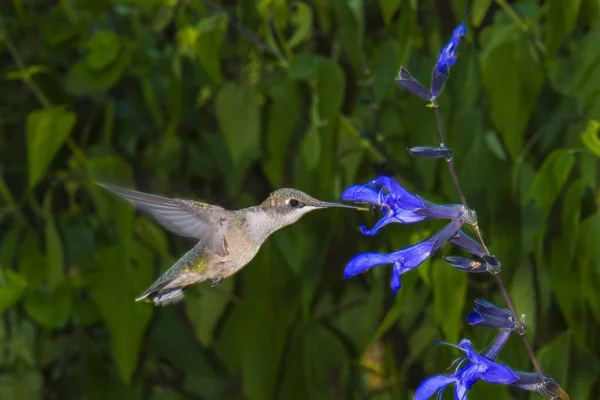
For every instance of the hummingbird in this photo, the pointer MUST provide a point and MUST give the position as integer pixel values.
(227, 239)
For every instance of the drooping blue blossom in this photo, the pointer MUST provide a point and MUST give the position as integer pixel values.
(438, 79)
(431, 152)
(540, 383)
(468, 265)
(463, 378)
(398, 204)
(490, 263)
(461, 239)
(404, 260)
(489, 315)
(409, 83)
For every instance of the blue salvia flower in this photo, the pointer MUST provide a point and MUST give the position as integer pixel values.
(446, 59)
(404, 260)
(489, 315)
(489, 264)
(540, 383)
(398, 204)
(480, 367)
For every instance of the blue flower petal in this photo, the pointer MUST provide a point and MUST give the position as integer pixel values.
(474, 318)
(411, 257)
(431, 386)
(447, 56)
(494, 349)
(361, 193)
(365, 261)
(498, 373)
(486, 307)
(395, 282)
(460, 391)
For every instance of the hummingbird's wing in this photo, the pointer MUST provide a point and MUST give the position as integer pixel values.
(184, 217)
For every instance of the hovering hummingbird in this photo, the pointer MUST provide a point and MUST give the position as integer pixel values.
(227, 240)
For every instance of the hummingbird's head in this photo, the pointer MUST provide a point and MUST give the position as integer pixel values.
(291, 204)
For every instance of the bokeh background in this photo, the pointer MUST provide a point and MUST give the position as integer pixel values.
(229, 100)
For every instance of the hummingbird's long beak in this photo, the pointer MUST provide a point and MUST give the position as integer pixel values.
(325, 204)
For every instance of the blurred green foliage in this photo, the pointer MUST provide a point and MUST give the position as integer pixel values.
(225, 102)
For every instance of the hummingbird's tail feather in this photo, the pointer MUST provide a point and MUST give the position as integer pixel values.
(188, 270)
(163, 297)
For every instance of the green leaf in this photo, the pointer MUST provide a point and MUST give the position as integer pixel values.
(104, 49)
(55, 260)
(522, 293)
(315, 352)
(550, 179)
(31, 259)
(11, 241)
(26, 385)
(152, 234)
(587, 74)
(330, 91)
(512, 78)
(238, 113)
(47, 130)
(561, 19)
(304, 66)
(449, 291)
(283, 115)
(260, 342)
(494, 145)
(302, 19)
(311, 148)
(388, 9)
(84, 80)
(112, 169)
(590, 138)
(211, 31)
(115, 285)
(360, 314)
(583, 373)
(50, 309)
(351, 30)
(479, 10)
(205, 307)
(350, 150)
(589, 259)
(11, 290)
(555, 358)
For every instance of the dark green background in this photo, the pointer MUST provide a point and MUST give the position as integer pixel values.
(169, 97)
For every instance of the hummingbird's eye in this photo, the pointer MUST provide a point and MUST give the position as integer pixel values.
(296, 204)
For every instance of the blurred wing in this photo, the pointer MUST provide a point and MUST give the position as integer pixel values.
(184, 217)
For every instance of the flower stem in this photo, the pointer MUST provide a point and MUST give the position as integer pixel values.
(519, 323)
(497, 276)
(463, 200)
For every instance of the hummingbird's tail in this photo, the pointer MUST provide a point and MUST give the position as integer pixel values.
(168, 289)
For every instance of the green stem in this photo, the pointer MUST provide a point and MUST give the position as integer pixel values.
(521, 24)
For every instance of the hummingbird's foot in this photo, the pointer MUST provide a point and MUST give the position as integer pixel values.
(216, 281)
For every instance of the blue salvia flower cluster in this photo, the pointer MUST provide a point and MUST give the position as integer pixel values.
(398, 205)
(483, 366)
